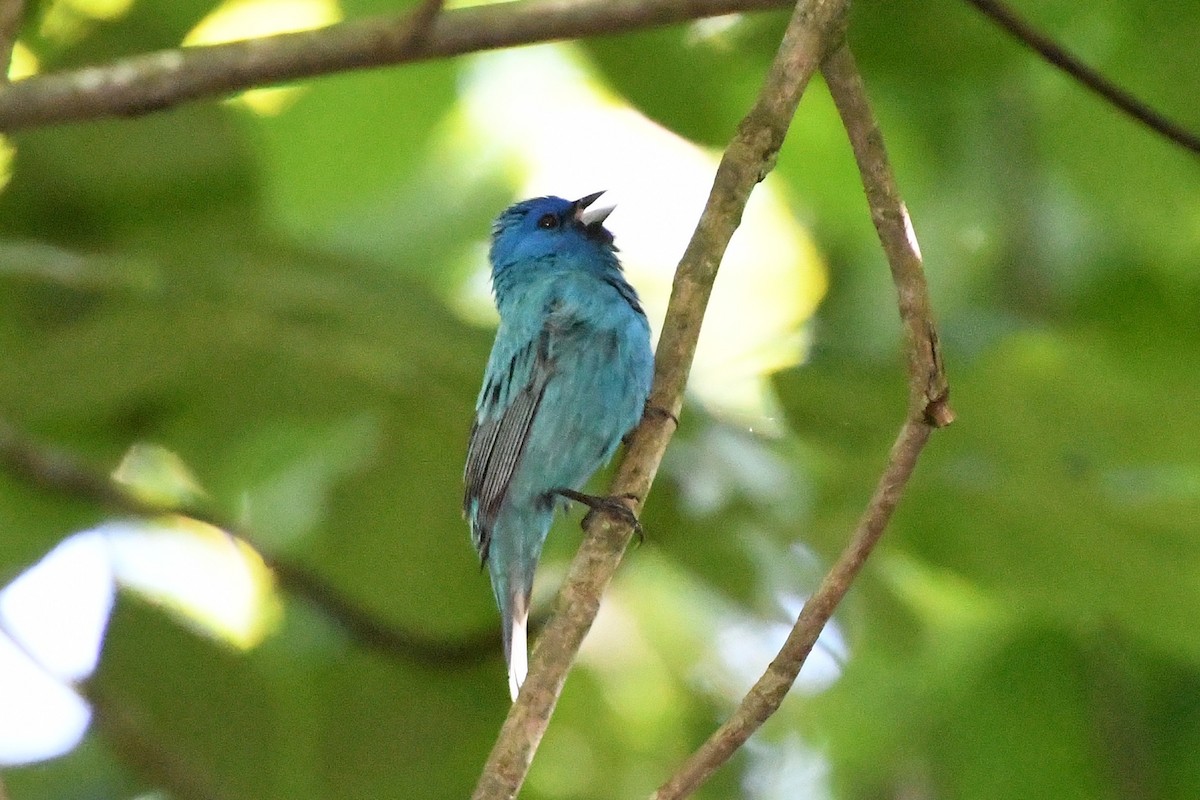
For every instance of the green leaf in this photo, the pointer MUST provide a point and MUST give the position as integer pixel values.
(697, 80)
(90, 770)
(114, 177)
(991, 488)
(170, 702)
(309, 717)
(1016, 721)
(349, 144)
(33, 521)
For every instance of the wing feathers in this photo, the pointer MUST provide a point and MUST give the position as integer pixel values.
(498, 439)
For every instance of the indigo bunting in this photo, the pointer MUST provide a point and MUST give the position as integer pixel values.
(567, 378)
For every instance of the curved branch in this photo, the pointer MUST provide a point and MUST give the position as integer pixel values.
(765, 697)
(814, 26)
(155, 81)
(928, 408)
(929, 391)
(1062, 58)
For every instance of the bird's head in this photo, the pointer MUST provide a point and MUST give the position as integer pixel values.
(533, 230)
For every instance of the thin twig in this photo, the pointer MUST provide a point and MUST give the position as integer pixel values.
(768, 692)
(1059, 56)
(155, 81)
(928, 408)
(929, 392)
(815, 24)
(11, 13)
(55, 470)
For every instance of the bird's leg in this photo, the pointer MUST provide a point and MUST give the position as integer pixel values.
(613, 505)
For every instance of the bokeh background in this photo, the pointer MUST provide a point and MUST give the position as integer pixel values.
(277, 304)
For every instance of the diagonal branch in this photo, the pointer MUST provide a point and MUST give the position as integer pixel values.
(815, 25)
(155, 81)
(62, 472)
(928, 408)
(1059, 56)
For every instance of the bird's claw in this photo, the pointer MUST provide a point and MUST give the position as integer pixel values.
(614, 505)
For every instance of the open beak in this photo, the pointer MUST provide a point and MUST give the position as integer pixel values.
(593, 216)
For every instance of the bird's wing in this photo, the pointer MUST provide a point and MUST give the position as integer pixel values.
(508, 404)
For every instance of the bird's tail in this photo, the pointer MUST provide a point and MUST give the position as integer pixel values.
(512, 560)
(512, 595)
(516, 647)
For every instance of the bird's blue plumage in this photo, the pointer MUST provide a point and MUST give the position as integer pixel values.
(567, 378)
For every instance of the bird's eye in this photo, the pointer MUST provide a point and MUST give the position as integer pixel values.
(548, 221)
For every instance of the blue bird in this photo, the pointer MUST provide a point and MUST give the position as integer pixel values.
(567, 378)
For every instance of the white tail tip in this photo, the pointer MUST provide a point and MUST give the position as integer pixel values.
(518, 661)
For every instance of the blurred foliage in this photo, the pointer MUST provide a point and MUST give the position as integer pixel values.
(269, 298)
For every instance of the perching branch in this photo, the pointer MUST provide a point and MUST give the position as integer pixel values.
(54, 470)
(155, 81)
(928, 408)
(1066, 61)
(815, 26)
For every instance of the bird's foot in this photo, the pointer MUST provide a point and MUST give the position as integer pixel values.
(615, 505)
